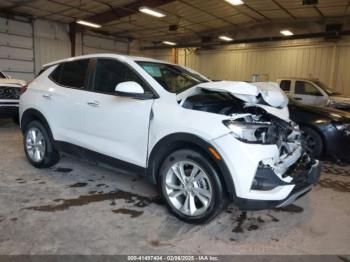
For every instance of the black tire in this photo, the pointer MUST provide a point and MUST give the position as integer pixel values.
(15, 119)
(51, 156)
(218, 200)
(312, 142)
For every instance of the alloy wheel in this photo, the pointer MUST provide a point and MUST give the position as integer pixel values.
(35, 144)
(188, 188)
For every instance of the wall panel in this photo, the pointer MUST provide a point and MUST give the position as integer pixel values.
(327, 61)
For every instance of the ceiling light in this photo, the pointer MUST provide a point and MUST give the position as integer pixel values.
(286, 32)
(235, 2)
(225, 38)
(82, 22)
(152, 12)
(168, 43)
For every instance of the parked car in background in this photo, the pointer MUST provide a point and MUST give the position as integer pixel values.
(326, 130)
(201, 142)
(10, 90)
(313, 92)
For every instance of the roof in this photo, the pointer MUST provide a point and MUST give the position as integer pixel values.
(297, 78)
(106, 55)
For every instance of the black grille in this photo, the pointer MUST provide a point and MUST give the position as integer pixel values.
(9, 92)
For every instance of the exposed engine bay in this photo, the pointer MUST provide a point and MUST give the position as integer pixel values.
(252, 123)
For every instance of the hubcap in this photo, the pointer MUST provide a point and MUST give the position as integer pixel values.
(35, 144)
(188, 188)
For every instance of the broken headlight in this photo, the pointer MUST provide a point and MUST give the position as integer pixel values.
(252, 132)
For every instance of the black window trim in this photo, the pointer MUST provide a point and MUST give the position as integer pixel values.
(153, 95)
(290, 85)
(86, 80)
(90, 77)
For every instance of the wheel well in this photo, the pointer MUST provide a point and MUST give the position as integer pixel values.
(185, 141)
(34, 115)
(324, 144)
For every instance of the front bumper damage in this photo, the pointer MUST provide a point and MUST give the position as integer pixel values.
(260, 184)
(305, 173)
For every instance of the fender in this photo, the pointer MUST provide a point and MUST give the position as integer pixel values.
(177, 141)
(33, 114)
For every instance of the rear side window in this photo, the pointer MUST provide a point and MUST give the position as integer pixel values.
(110, 72)
(71, 74)
(285, 85)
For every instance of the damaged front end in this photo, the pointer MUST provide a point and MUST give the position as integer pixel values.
(258, 118)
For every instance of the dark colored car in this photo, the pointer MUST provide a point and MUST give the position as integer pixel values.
(326, 130)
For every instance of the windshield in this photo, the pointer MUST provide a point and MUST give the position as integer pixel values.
(174, 79)
(325, 88)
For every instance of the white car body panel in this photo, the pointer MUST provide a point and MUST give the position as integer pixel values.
(121, 127)
(7, 81)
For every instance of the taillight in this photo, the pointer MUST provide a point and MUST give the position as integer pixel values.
(23, 89)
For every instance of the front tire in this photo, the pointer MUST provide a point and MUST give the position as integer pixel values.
(312, 142)
(191, 186)
(38, 146)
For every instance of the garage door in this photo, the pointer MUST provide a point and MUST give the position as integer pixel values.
(16, 49)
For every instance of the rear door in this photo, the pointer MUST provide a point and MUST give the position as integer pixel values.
(63, 101)
(116, 126)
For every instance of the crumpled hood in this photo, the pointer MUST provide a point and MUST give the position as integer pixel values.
(12, 81)
(275, 100)
(248, 92)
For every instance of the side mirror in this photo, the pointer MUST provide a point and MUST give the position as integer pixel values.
(129, 89)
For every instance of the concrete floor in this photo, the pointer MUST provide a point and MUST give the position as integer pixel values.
(80, 208)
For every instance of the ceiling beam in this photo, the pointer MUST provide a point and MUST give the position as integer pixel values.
(247, 41)
(284, 9)
(124, 11)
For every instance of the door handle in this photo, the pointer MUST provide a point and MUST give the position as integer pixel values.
(93, 103)
(47, 96)
(298, 98)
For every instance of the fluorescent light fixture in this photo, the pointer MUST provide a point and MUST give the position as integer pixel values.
(168, 43)
(286, 32)
(152, 12)
(225, 38)
(235, 2)
(86, 23)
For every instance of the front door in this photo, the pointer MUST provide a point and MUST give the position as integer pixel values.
(307, 93)
(113, 125)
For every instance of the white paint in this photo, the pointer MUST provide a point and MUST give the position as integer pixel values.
(120, 127)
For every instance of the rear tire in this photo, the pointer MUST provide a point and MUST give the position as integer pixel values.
(38, 146)
(312, 142)
(191, 186)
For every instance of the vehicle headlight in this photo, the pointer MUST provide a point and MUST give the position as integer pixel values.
(251, 132)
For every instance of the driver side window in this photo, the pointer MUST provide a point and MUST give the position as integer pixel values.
(306, 88)
(110, 72)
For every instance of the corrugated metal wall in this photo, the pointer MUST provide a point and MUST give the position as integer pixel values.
(96, 44)
(51, 42)
(22, 55)
(329, 62)
(16, 48)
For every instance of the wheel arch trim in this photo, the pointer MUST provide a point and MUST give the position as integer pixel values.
(31, 114)
(176, 141)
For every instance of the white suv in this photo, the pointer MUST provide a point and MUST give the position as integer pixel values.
(202, 142)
